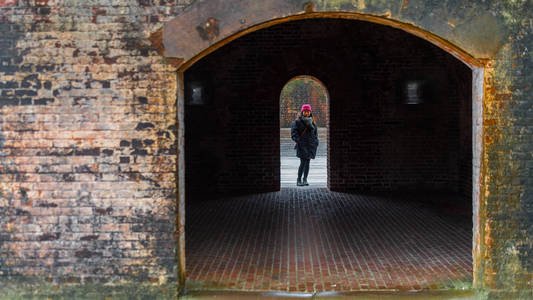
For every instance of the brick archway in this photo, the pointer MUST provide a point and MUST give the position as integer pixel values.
(317, 95)
(186, 60)
(318, 82)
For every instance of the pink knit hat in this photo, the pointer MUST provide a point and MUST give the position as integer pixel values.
(306, 107)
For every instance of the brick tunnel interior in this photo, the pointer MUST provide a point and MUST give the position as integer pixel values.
(397, 210)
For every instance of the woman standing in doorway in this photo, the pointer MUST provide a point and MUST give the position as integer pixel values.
(304, 132)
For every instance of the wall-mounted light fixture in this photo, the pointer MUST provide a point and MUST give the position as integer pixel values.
(196, 93)
(416, 91)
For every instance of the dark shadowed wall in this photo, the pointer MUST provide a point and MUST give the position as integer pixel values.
(377, 142)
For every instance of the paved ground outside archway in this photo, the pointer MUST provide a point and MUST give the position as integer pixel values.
(318, 171)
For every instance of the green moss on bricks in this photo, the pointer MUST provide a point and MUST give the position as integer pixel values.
(30, 288)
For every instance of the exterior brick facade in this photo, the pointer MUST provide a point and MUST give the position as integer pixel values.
(87, 144)
(90, 136)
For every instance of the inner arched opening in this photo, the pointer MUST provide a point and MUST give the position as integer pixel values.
(299, 91)
(396, 213)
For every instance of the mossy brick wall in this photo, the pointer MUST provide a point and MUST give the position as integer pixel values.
(376, 141)
(87, 143)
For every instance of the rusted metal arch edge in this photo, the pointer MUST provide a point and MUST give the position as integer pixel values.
(182, 64)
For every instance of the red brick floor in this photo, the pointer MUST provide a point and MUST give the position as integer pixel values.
(314, 240)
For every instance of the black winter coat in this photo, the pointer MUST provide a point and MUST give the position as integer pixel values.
(307, 143)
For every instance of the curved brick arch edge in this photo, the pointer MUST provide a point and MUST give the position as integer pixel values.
(185, 44)
(196, 43)
(317, 81)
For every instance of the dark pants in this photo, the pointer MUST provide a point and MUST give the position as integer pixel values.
(303, 168)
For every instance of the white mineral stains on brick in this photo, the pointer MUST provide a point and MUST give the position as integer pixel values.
(66, 153)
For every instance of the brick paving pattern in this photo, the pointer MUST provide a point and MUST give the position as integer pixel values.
(314, 240)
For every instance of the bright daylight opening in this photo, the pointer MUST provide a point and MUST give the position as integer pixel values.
(299, 91)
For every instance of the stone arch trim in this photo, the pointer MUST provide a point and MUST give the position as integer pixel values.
(209, 25)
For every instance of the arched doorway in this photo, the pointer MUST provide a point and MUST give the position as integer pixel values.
(414, 123)
(300, 90)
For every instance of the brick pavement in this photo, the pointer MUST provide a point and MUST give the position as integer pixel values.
(313, 240)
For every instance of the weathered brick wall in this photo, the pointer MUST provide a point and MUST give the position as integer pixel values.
(59, 56)
(506, 270)
(377, 142)
(87, 142)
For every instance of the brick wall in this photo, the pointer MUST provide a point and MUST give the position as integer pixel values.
(376, 142)
(87, 147)
(80, 83)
